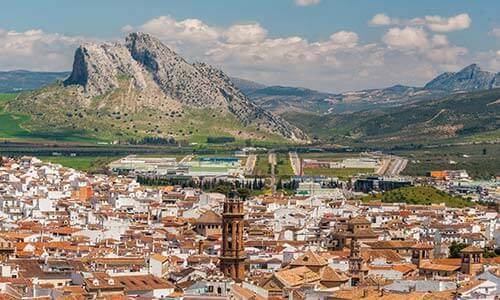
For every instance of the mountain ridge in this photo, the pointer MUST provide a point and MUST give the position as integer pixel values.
(146, 79)
(469, 78)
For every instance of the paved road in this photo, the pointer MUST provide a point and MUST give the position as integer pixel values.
(391, 165)
(186, 159)
(384, 166)
(397, 165)
(295, 162)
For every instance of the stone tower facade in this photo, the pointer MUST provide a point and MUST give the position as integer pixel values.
(357, 268)
(472, 258)
(232, 259)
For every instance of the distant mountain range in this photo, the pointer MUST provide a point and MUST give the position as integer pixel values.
(467, 115)
(283, 99)
(142, 88)
(21, 80)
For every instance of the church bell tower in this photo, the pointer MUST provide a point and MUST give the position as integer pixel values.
(232, 259)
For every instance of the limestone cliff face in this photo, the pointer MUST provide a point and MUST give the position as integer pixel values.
(469, 78)
(98, 68)
(159, 74)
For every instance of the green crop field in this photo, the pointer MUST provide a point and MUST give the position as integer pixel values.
(422, 195)
(83, 163)
(283, 166)
(10, 124)
(262, 166)
(328, 156)
(343, 173)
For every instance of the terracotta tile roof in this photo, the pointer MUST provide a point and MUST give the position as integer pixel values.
(390, 244)
(424, 246)
(436, 267)
(471, 249)
(389, 255)
(447, 261)
(159, 257)
(309, 258)
(209, 217)
(296, 276)
(331, 275)
(142, 282)
(358, 220)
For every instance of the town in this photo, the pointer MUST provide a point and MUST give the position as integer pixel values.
(209, 228)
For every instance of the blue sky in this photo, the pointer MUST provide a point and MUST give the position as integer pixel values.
(324, 44)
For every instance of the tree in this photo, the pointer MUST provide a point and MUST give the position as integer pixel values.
(244, 193)
(279, 185)
(455, 249)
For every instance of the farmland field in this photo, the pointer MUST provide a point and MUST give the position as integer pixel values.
(342, 173)
(82, 163)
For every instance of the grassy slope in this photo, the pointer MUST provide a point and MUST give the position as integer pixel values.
(56, 113)
(15, 125)
(481, 161)
(82, 163)
(425, 195)
(344, 173)
(457, 116)
(10, 124)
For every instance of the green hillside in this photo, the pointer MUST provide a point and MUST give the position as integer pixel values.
(21, 80)
(10, 124)
(422, 195)
(55, 113)
(459, 116)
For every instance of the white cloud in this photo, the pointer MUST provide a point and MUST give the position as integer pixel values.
(495, 32)
(434, 23)
(186, 31)
(245, 33)
(337, 63)
(440, 40)
(414, 40)
(489, 59)
(440, 24)
(36, 50)
(382, 20)
(344, 38)
(406, 38)
(307, 2)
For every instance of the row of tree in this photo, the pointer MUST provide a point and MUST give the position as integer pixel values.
(257, 184)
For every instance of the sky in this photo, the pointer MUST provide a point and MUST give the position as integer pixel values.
(328, 45)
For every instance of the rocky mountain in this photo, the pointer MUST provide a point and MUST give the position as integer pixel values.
(247, 86)
(142, 87)
(21, 80)
(282, 99)
(469, 78)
